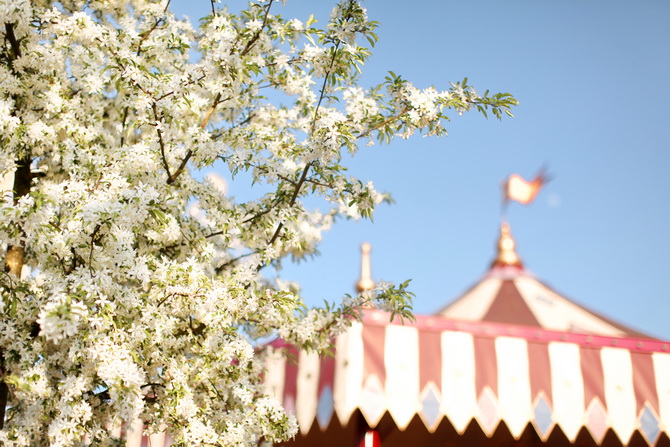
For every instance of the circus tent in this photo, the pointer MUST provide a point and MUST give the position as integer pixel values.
(511, 362)
(509, 293)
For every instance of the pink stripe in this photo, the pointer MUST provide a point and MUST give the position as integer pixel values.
(430, 358)
(327, 373)
(486, 366)
(539, 371)
(291, 381)
(373, 352)
(644, 382)
(592, 372)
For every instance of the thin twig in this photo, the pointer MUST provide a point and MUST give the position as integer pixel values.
(171, 178)
(323, 88)
(215, 390)
(384, 123)
(217, 101)
(253, 40)
(305, 171)
(227, 263)
(95, 187)
(90, 254)
(189, 154)
(276, 202)
(145, 35)
(294, 197)
(161, 143)
(191, 82)
(317, 183)
(216, 136)
(123, 124)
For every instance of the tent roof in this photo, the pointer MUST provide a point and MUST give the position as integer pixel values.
(509, 293)
(511, 361)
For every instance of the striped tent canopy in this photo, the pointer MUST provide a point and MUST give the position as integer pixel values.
(449, 382)
(511, 362)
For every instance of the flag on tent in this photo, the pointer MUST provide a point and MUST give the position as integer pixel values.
(523, 191)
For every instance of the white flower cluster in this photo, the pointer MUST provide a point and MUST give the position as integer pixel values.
(136, 285)
(60, 319)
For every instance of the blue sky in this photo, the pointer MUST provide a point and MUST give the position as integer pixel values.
(593, 79)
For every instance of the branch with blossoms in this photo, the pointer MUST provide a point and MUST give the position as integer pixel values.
(172, 177)
(424, 108)
(145, 294)
(328, 77)
(257, 34)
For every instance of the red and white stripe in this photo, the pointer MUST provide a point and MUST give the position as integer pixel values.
(486, 372)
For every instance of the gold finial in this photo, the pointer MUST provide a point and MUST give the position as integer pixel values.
(507, 255)
(366, 282)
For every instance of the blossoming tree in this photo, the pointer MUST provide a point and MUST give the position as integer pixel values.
(116, 302)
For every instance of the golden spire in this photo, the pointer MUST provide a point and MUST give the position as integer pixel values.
(507, 255)
(365, 283)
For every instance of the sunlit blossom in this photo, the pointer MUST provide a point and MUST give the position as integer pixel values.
(144, 285)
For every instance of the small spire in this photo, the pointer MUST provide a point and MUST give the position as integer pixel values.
(366, 282)
(507, 255)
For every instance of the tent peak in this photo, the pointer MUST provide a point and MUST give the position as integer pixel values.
(507, 255)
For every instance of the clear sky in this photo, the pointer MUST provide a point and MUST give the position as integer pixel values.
(593, 81)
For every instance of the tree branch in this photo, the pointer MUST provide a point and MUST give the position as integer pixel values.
(191, 82)
(123, 124)
(383, 123)
(262, 213)
(294, 197)
(232, 261)
(13, 42)
(253, 40)
(94, 238)
(305, 171)
(145, 35)
(317, 183)
(189, 154)
(217, 101)
(161, 143)
(14, 261)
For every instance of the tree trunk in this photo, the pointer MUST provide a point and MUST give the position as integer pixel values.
(14, 260)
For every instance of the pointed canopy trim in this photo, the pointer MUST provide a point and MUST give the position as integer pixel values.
(488, 374)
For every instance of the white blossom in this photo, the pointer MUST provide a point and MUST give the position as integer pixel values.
(141, 285)
(60, 319)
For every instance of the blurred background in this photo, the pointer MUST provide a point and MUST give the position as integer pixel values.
(592, 79)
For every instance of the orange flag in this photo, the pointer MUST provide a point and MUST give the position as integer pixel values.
(523, 191)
